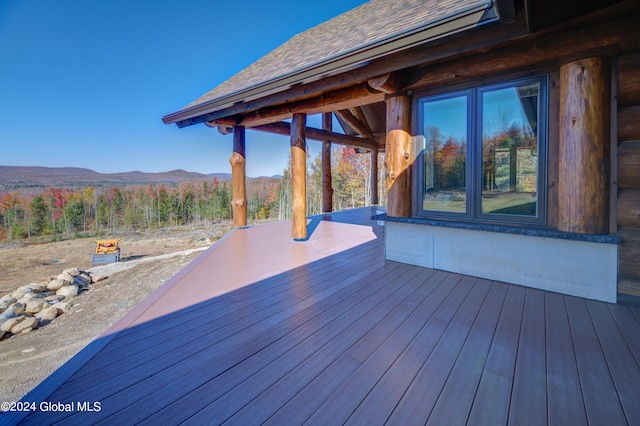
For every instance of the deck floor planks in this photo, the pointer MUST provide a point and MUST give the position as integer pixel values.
(220, 317)
(170, 351)
(565, 400)
(629, 326)
(349, 327)
(312, 396)
(529, 395)
(461, 385)
(236, 301)
(601, 400)
(290, 335)
(622, 365)
(235, 348)
(260, 409)
(345, 400)
(262, 364)
(417, 403)
(493, 396)
(424, 330)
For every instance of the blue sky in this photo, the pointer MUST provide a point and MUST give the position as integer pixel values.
(84, 83)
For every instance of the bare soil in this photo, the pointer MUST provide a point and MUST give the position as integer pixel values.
(26, 360)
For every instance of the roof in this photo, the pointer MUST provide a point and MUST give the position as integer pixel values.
(350, 40)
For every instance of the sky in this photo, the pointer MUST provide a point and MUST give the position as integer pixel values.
(86, 83)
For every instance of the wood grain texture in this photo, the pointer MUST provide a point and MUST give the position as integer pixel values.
(238, 178)
(629, 208)
(629, 124)
(629, 80)
(629, 165)
(327, 186)
(298, 177)
(583, 181)
(398, 156)
(629, 253)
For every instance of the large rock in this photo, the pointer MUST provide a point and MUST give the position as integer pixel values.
(25, 326)
(21, 291)
(68, 291)
(10, 323)
(57, 283)
(97, 277)
(17, 307)
(66, 276)
(35, 305)
(47, 314)
(74, 272)
(8, 314)
(25, 298)
(63, 306)
(6, 301)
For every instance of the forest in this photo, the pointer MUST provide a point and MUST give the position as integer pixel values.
(58, 213)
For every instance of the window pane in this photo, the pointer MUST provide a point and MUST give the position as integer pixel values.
(510, 150)
(445, 154)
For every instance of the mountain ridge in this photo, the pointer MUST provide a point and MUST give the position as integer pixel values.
(33, 178)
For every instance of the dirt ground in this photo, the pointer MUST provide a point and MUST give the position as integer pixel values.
(26, 360)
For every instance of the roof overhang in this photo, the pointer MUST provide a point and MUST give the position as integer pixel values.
(478, 14)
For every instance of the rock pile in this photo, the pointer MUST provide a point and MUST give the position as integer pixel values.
(34, 305)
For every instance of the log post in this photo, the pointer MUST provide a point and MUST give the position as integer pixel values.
(374, 178)
(584, 146)
(327, 189)
(398, 156)
(238, 178)
(298, 177)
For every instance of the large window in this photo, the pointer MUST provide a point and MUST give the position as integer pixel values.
(483, 152)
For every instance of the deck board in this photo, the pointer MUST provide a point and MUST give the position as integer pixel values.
(261, 329)
(565, 399)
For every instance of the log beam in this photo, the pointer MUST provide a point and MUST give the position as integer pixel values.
(238, 178)
(318, 135)
(356, 124)
(398, 156)
(299, 177)
(327, 188)
(389, 83)
(349, 97)
(584, 146)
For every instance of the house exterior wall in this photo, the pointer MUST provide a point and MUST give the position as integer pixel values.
(628, 164)
(585, 269)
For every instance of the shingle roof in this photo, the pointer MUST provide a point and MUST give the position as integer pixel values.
(373, 23)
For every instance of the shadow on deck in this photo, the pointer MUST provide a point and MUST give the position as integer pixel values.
(262, 329)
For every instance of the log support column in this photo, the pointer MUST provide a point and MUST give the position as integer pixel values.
(299, 177)
(327, 189)
(238, 178)
(398, 156)
(373, 185)
(583, 181)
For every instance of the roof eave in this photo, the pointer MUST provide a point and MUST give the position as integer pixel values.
(455, 23)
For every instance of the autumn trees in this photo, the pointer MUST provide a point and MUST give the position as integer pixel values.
(94, 211)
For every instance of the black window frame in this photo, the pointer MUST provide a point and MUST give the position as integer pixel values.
(473, 178)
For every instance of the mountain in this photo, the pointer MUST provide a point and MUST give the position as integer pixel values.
(28, 179)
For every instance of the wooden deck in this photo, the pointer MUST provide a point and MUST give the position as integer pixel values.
(261, 329)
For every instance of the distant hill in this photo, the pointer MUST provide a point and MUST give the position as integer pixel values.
(34, 179)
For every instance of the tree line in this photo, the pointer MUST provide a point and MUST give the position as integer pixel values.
(60, 212)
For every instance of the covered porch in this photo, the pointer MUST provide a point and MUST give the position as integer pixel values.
(262, 329)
